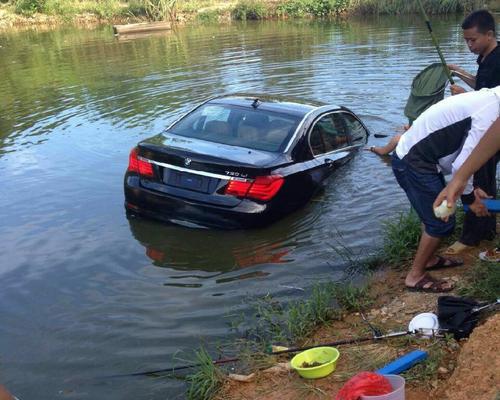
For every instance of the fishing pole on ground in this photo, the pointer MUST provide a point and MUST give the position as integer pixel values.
(434, 40)
(449, 309)
(283, 351)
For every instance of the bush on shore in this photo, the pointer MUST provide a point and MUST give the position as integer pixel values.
(157, 10)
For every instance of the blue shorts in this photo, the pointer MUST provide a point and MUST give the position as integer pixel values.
(422, 189)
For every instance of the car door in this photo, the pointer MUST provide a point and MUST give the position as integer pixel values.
(329, 142)
(354, 128)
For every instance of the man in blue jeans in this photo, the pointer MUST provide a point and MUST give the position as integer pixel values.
(437, 144)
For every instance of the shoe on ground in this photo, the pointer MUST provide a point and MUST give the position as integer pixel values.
(492, 255)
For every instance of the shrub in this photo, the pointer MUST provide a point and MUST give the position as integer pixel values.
(249, 9)
(28, 7)
(209, 16)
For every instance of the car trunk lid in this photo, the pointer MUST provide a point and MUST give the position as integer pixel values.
(200, 171)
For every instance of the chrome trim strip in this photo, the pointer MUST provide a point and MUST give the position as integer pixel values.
(195, 172)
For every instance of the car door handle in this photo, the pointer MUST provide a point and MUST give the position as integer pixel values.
(329, 161)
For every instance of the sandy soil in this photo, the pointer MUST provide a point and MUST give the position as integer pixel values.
(468, 370)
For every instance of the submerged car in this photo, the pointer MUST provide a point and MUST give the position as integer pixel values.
(240, 161)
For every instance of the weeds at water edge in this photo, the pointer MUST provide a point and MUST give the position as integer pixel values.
(401, 238)
(275, 322)
(206, 382)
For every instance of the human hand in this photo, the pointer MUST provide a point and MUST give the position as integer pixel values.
(450, 193)
(478, 207)
(455, 89)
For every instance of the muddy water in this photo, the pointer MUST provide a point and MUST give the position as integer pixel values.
(85, 292)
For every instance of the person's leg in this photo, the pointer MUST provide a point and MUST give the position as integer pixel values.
(421, 190)
(481, 228)
(425, 253)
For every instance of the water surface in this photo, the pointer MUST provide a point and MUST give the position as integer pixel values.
(85, 292)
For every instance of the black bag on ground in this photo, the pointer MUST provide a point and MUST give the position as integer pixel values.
(458, 315)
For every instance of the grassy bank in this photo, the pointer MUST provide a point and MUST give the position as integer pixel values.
(28, 11)
(330, 311)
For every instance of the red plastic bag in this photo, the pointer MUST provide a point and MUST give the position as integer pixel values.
(364, 384)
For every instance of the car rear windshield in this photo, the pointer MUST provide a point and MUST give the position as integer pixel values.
(237, 126)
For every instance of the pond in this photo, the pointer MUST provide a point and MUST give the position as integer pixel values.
(86, 292)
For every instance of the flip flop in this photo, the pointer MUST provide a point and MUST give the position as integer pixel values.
(444, 262)
(430, 285)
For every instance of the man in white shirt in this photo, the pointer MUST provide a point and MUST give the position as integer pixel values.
(437, 144)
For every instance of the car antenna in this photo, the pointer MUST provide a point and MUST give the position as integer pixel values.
(256, 103)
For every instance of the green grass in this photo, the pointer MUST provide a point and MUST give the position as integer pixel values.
(393, 7)
(275, 322)
(401, 238)
(206, 381)
(482, 282)
(427, 370)
(157, 10)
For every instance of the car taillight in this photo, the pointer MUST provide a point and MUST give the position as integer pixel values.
(137, 165)
(262, 188)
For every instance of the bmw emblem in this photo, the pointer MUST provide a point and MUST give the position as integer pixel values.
(187, 162)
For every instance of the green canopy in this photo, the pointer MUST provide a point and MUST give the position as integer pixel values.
(427, 89)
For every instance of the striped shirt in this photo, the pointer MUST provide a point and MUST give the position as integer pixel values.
(443, 136)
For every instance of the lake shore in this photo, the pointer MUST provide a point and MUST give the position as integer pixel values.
(454, 369)
(42, 14)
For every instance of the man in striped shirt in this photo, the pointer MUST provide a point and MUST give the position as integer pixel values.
(437, 144)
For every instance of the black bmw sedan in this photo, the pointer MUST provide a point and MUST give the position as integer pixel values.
(240, 161)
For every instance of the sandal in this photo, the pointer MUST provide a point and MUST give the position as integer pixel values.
(456, 248)
(430, 285)
(444, 262)
(490, 255)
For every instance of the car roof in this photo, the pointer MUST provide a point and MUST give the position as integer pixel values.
(281, 104)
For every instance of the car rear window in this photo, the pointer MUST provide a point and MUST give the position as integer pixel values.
(251, 128)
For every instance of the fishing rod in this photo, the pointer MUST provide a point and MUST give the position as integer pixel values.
(434, 40)
(284, 351)
(344, 341)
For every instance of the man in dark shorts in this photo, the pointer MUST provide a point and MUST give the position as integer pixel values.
(437, 144)
(480, 35)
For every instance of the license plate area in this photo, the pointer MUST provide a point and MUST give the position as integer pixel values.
(185, 180)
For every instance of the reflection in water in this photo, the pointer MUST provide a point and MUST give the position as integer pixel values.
(80, 294)
(171, 246)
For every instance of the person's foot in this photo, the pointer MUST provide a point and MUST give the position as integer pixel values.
(456, 248)
(429, 284)
(439, 262)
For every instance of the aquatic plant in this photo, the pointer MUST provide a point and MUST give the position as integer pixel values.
(207, 380)
(401, 238)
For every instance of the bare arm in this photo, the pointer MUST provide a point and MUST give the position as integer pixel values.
(469, 79)
(485, 149)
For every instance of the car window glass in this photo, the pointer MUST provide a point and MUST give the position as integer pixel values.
(328, 134)
(355, 129)
(239, 126)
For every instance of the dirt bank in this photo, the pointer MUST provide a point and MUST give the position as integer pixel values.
(468, 369)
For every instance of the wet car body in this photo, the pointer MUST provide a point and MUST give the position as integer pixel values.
(240, 161)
